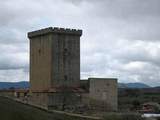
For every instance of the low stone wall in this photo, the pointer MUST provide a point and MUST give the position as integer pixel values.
(59, 101)
(39, 99)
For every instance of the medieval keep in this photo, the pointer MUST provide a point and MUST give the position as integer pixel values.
(54, 58)
(55, 72)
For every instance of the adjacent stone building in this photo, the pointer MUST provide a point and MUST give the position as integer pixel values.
(104, 91)
(101, 93)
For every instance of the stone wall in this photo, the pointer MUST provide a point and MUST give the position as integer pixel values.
(65, 60)
(54, 58)
(39, 99)
(103, 93)
(40, 62)
(55, 63)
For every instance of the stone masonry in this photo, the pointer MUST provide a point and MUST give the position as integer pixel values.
(55, 73)
(54, 58)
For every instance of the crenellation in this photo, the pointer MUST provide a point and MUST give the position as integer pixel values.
(62, 29)
(55, 30)
(67, 29)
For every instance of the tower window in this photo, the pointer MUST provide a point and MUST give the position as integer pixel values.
(107, 84)
(65, 49)
(39, 51)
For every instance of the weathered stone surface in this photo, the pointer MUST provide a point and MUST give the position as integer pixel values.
(55, 65)
(103, 92)
(54, 30)
(54, 58)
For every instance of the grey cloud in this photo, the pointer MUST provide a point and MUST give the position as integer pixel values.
(120, 37)
(128, 60)
(139, 51)
(13, 61)
(127, 8)
(13, 75)
(130, 19)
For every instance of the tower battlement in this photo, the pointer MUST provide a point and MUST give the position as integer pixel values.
(55, 30)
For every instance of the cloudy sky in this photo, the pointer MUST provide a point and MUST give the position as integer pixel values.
(120, 37)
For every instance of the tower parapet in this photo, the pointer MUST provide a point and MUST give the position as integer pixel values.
(55, 30)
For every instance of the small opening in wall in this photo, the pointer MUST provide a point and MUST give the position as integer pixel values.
(39, 51)
(107, 84)
(65, 51)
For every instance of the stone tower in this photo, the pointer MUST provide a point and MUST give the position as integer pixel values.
(54, 58)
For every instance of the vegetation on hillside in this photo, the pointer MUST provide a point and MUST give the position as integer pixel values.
(132, 99)
(120, 116)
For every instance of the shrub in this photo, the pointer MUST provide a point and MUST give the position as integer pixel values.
(118, 116)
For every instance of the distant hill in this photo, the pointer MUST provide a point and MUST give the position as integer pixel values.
(133, 85)
(25, 84)
(122, 85)
(158, 87)
(9, 85)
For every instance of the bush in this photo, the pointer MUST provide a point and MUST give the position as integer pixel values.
(118, 116)
(158, 118)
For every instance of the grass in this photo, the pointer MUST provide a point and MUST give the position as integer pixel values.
(11, 110)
